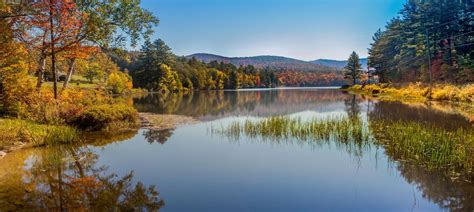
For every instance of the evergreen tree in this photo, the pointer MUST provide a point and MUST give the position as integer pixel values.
(353, 68)
(163, 52)
(154, 72)
(233, 81)
(399, 54)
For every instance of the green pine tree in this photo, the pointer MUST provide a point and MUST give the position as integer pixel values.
(353, 68)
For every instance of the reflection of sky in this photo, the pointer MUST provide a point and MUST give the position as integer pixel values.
(303, 29)
(194, 171)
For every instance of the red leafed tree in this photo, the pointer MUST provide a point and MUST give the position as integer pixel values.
(53, 28)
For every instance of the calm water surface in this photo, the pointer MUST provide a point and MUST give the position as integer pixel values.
(192, 169)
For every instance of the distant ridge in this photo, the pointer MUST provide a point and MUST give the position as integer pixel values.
(278, 62)
(274, 62)
(340, 64)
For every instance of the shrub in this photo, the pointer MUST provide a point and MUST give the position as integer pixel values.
(371, 88)
(467, 93)
(77, 107)
(439, 92)
(119, 83)
(107, 117)
(356, 87)
(448, 93)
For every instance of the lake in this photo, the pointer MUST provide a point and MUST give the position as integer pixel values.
(198, 168)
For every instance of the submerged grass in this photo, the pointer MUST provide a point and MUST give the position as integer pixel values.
(339, 128)
(17, 131)
(418, 143)
(427, 145)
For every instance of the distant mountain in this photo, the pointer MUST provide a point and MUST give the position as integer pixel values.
(340, 64)
(274, 62)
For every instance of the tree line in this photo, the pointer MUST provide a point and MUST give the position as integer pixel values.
(56, 40)
(429, 41)
(156, 68)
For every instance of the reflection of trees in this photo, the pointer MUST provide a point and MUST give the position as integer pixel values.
(352, 106)
(438, 185)
(67, 178)
(396, 111)
(447, 193)
(212, 104)
(160, 136)
(104, 138)
(440, 189)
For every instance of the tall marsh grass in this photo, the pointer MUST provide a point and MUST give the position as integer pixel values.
(419, 143)
(15, 131)
(427, 145)
(339, 128)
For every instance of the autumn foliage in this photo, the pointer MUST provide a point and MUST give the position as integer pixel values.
(299, 78)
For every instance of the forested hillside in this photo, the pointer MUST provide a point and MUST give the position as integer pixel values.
(155, 67)
(340, 64)
(271, 62)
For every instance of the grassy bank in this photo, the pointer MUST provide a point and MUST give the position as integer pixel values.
(440, 92)
(15, 133)
(36, 118)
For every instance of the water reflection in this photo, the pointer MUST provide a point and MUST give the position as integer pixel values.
(68, 178)
(439, 186)
(396, 111)
(212, 105)
(157, 136)
(105, 138)
(197, 171)
(447, 193)
(352, 103)
(436, 185)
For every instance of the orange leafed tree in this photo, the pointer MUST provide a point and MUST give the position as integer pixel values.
(54, 28)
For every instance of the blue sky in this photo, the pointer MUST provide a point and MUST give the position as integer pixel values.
(303, 29)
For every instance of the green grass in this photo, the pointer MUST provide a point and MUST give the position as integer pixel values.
(451, 152)
(14, 131)
(77, 81)
(430, 146)
(341, 129)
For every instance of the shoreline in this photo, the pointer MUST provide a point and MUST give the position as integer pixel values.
(445, 97)
(148, 121)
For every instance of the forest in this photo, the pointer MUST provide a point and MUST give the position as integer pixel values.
(429, 40)
(156, 68)
(63, 63)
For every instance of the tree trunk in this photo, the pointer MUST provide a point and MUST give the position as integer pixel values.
(53, 53)
(41, 72)
(70, 72)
